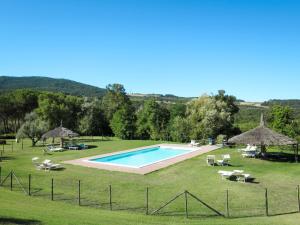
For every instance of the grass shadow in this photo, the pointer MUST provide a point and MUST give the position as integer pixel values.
(18, 221)
(35, 191)
(286, 213)
(134, 209)
(190, 215)
(279, 157)
(91, 140)
(6, 158)
(89, 147)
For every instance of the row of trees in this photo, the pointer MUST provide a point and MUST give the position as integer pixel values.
(115, 114)
(33, 112)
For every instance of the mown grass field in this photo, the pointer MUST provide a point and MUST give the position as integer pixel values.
(246, 201)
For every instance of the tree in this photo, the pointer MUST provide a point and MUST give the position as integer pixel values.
(281, 119)
(177, 109)
(212, 115)
(57, 108)
(32, 128)
(123, 122)
(114, 99)
(14, 106)
(180, 129)
(152, 121)
(93, 121)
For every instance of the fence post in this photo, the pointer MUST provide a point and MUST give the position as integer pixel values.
(147, 201)
(79, 203)
(110, 198)
(266, 202)
(12, 146)
(29, 184)
(52, 187)
(227, 203)
(186, 204)
(11, 180)
(298, 197)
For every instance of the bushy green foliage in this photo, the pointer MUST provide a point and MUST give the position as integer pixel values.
(152, 121)
(57, 108)
(93, 120)
(123, 122)
(221, 138)
(180, 129)
(114, 99)
(14, 106)
(282, 120)
(207, 116)
(248, 117)
(212, 115)
(177, 109)
(32, 128)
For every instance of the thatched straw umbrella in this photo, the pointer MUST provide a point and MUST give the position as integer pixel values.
(264, 136)
(60, 132)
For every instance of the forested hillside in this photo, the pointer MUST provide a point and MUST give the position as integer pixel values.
(50, 84)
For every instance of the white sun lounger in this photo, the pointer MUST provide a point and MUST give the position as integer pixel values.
(243, 177)
(54, 149)
(194, 143)
(51, 166)
(249, 154)
(238, 174)
(229, 174)
(46, 164)
(224, 161)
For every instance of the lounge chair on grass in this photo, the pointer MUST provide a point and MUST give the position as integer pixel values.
(229, 174)
(237, 175)
(249, 154)
(224, 161)
(83, 146)
(210, 160)
(46, 164)
(244, 177)
(51, 148)
(245, 149)
(194, 143)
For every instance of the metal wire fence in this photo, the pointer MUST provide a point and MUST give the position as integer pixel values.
(255, 201)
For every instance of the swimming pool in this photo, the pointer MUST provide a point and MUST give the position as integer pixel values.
(142, 157)
(142, 160)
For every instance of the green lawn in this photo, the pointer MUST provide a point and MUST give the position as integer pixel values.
(128, 190)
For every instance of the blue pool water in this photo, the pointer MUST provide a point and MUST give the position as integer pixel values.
(142, 157)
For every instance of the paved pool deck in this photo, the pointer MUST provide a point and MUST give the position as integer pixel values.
(148, 168)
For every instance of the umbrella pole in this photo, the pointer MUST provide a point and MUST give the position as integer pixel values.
(296, 153)
(263, 151)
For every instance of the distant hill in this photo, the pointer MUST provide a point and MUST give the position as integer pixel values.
(294, 103)
(168, 98)
(8, 83)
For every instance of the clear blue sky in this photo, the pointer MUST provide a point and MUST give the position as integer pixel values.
(249, 48)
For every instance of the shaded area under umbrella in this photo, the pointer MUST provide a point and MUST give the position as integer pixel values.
(264, 136)
(60, 132)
